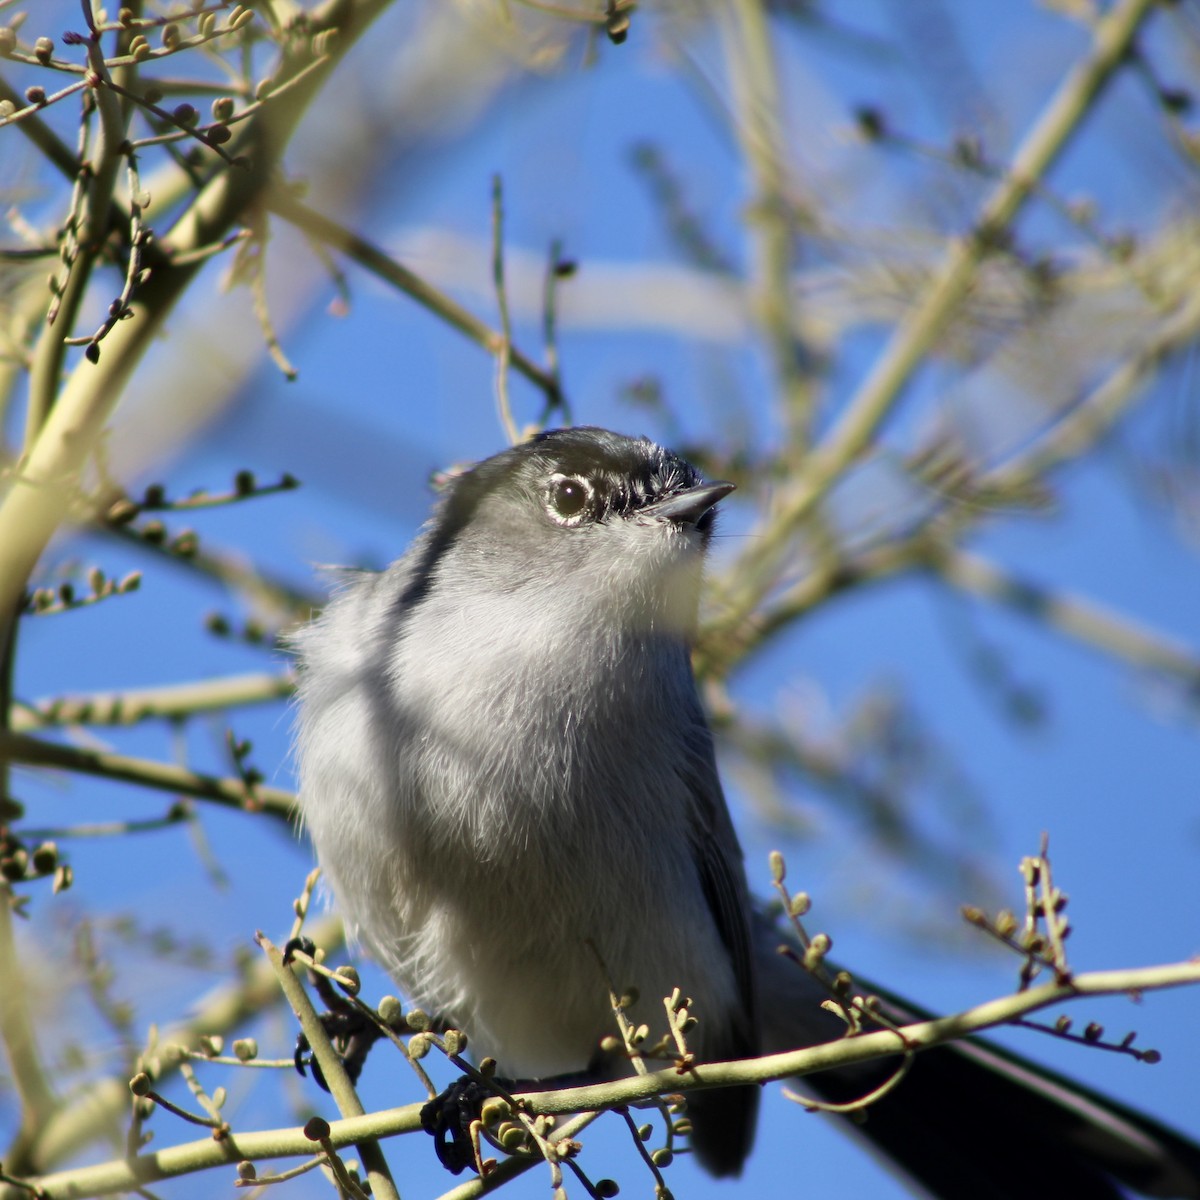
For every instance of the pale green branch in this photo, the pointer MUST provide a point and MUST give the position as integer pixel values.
(852, 433)
(332, 1068)
(771, 217)
(17, 748)
(141, 704)
(169, 1162)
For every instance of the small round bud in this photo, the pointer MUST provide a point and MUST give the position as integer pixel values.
(43, 49)
(662, 1157)
(8, 40)
(185, 114)
(778, 866)
(871, 122)
(607, 1188)
(218, 624)
(222, 108)
(35, 94)
(45, 858)
(170, 36)
(418, 1045)
(12, 867)
(347, 979)
(140, 1084)
(245, 1049)
(121, 513)
(391, 1012)
(317, 1129)
(617, 26)
(455, 1041)
(218, 135)
(246, 1171)
(494, 1110)
(511, 1136)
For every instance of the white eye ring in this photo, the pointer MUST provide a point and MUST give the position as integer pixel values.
(570, 499)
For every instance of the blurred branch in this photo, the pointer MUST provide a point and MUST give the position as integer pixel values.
(1083, 426)
(232, 793)
(141, 704)
(47, 142)
(858, 423)
(233, 570)
(732, 635)
(843, 770)
(33, 1088)
(41, 495)
(98, 1110)
(772, 219)
(371, 258)
(1075, 616)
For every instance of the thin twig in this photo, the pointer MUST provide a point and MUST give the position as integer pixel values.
(373, 259)
(504, 351)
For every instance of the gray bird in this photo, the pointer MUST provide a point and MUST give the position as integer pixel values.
(510, 783)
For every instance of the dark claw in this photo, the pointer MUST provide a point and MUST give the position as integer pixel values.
(448, 1118)
(303, 1058)
(351, 1032)
(303, 944)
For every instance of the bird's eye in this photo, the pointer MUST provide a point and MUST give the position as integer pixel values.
(569, 499)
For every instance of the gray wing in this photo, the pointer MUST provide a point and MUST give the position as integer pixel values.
(723, 1120)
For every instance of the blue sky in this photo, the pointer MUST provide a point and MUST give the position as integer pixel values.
(386, 395)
